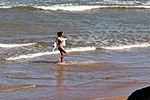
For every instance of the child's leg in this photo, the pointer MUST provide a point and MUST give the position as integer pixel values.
(63, 50)
(62, 53)
(62, 57)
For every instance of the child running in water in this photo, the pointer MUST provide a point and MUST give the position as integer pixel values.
(60, 43)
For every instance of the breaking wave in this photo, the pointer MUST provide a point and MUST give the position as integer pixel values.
(75, 7)
(29, 56)
(78, 49)
(143, 45)
(87, 7)
(15, 45)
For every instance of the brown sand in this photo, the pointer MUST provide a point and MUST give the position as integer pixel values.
(102, 88)
(114, 98)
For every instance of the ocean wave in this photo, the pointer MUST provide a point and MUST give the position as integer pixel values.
(21, 7)
(15, 45)
(67, 8)
(88, 7)
(29, 56)
(5, 7)
(121, 47)
(75, 7)
(78, 49)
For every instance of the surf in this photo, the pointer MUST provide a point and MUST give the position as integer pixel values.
(33, 55)
(89, 7)
(72, 5)
(123, 47)
(15, 45)
(74, 8)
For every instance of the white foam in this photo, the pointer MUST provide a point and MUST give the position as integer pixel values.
(143, 6)
(5, 7)
(79, 49)
(67, 8)
(15, 45)
(128, 46)
(86, 7)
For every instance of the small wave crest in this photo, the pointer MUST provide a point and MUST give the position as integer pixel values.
(29, 56)
(5, 7)
(75, 7)
(53, 7)
(15, 45)
(144, 45)
(89, 7)
(67, 8)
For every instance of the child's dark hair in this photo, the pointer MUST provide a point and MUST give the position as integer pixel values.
(59, 34)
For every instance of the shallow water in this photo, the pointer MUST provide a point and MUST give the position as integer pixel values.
(108, 49)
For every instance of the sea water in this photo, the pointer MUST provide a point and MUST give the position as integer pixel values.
(97, 31)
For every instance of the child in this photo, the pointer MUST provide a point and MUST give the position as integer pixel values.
(60, 42)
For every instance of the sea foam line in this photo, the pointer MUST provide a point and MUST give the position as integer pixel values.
(79, 49)
(127, 46)
(67, 8)
(77, 7)
(5, 7)
(15, 45)
(86, 7)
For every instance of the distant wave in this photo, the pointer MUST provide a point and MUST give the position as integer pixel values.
(15, 45)
(75, 7)
(127, 46)
(85, 7)
(4, 7)
(67, 8)
(79, 49)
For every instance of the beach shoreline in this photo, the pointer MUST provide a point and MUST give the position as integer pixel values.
(105, 87)
(52, 93)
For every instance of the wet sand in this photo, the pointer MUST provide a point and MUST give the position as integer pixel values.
(115, 98)
(111, 85)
